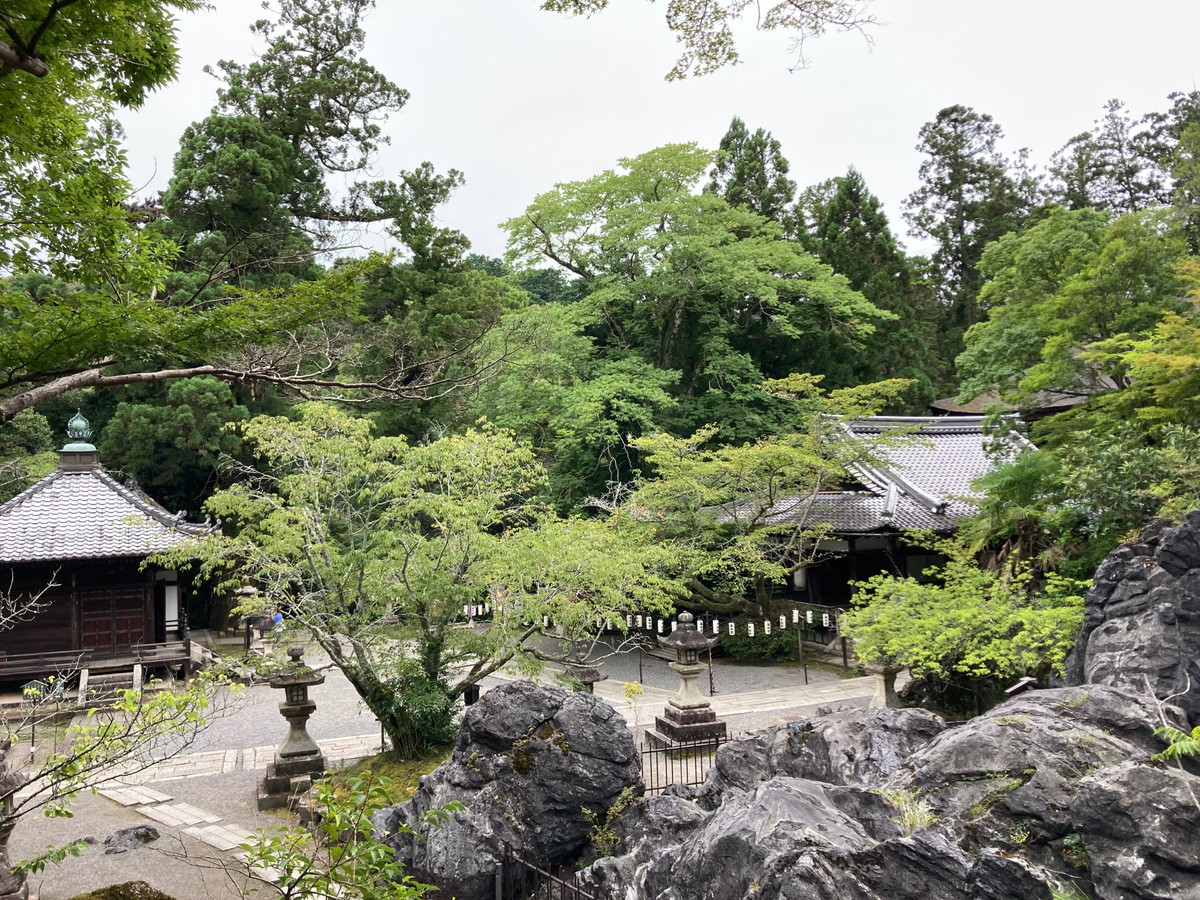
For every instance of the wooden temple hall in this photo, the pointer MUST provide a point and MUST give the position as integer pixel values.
(75, 596)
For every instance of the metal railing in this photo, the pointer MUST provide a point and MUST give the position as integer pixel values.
(519, 879)
(681, 764)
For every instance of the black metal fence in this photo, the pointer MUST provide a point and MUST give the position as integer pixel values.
(683, 764)
(519, 879)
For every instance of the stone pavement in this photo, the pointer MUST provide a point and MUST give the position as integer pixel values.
(203, 802)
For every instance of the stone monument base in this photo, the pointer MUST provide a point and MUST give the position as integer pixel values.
(288, 782)
(677, 728)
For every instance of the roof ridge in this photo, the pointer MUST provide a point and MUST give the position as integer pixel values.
(35, 488)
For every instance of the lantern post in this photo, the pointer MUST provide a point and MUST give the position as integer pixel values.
(688, 718)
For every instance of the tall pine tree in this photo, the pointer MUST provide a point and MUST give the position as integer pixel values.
(843, 224)
(970, 195)
(751, 171)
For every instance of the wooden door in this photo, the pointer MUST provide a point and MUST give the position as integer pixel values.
(113, 617)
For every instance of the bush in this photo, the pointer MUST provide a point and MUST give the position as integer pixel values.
(779, 644)
(130, 890)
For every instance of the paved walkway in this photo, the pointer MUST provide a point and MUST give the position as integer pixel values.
(203, 802)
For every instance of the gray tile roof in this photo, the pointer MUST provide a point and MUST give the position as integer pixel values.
(923, 482)
(87, 515)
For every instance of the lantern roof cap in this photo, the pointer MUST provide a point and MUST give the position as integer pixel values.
(686, 637)
(296, 673)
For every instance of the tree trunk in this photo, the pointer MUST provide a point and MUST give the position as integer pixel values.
(12, 884)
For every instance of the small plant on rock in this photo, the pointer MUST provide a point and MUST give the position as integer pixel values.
(603, 834)
(913, 812)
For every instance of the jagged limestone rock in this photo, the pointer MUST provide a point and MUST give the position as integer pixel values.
(527, 761)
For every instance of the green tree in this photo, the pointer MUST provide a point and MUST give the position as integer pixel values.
(65, 67)
(251, 186)
(968, 627)
(174, 449)
(120, 316)
(751, 171)
(26, 445)
(970, 195)
(1059, 289)
(692, 285)
(843, 224)
(704, 28)
(579, 410)
(1114, 167)
(347, 533)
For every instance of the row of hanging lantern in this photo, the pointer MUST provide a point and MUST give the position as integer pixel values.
(807, 618)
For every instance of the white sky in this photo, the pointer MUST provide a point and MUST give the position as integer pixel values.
(519, 99)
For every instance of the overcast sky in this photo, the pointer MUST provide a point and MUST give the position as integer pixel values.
(518, 99)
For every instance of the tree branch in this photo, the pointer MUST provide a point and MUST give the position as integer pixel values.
(13, 60)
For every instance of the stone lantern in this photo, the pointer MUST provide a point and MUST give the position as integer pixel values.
(687, 718)
(298, 759)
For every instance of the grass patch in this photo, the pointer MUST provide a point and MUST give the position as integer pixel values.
(403, 775)
(229, 651)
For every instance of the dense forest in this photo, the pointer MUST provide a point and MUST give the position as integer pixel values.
(658, 339)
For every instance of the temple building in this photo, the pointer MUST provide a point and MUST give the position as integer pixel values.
(75, 591)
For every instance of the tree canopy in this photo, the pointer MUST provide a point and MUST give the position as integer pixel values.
(379, 547)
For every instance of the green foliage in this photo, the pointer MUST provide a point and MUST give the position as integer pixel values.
(913, 812)
(1060, 294)
(339, 855)
(779, 644)
(970, 195)
(343, 532)
(129, 890)
(66, 69)
(173, 449)
(751, 171)
(603, 833)
(52, 342)
(579, 410)
(135, 731)
(26, 452)
(967, 625)
(843, 224)
(1179, 743)
(692, 285)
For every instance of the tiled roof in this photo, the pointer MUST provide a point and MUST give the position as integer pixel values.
(87, 515)
(922, 482)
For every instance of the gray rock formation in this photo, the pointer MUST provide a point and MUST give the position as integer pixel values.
(1142, 618)
(1049, 789)
(527, 761)
(855, 747)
